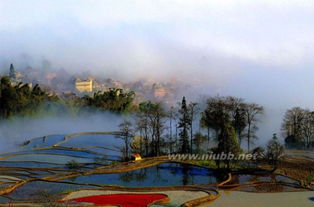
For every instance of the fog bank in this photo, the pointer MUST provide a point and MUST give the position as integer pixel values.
(17, 130)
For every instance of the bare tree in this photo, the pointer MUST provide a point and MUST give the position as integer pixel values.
(155, 116)
(298, 126)
(171, 117)
(126, 134)
(237, 110)
(292, 122)
(158, 123)
(142, 128)
(308, 128)
(292, 125)
(252, 112)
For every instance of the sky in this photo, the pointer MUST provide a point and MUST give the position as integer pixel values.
(259, 50)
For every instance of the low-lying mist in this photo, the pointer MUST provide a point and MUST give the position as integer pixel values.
(17, 130)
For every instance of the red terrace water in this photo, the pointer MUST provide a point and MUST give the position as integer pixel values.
(123, 200)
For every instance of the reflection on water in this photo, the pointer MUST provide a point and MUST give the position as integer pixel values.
(166, 174)
(47, 158)
(273, 183)
(33, 189)
(84, 141)
(45, 141)
(28, 164)
(266, 177)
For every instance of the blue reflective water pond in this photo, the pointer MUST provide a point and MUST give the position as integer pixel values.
(68, 152)
(104, 140)
(101, 150)
(35, 189)
(267, 177)
(45, 141)
(47, 158)
(109, 154)
(28, 164)
(166, 174)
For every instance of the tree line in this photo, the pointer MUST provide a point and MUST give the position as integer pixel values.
(24, 100)
(157, 129)
(298, 128)
(222, 124)
(21, 98)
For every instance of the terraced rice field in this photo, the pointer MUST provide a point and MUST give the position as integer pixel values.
(86, 168)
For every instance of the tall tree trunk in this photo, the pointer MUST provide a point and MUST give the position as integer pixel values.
(176, 140)
(126, 146)
(208, 137)
(191, 137)
(191, 130)
(248, 137)
(158, 137)
(153, 144)
(170, 123)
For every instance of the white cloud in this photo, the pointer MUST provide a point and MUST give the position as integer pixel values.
(263, 31)
(236, 47)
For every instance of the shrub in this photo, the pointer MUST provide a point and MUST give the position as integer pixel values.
(73, 165)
